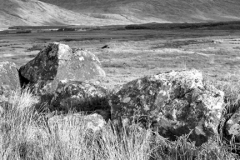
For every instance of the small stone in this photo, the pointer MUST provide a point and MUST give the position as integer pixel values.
(234, 129)
(126, 100)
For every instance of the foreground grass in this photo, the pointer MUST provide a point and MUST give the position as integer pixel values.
(26, 135)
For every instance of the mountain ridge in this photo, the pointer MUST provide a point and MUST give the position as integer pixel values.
(34, 12)
(167, 10)
(110, 12)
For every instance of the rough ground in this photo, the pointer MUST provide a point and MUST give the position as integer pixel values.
(136, 53)
(132, 54)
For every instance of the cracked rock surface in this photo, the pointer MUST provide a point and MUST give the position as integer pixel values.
(173, 104)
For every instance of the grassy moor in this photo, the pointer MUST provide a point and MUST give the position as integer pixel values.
(119, 80)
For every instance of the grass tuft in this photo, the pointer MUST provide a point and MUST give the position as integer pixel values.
(24, 135)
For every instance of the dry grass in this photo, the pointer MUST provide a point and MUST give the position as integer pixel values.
(25, 135)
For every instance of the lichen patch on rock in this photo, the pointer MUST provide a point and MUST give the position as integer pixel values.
(178, 102)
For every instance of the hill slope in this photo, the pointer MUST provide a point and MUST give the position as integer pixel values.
(158, 10)
(34, 12)
(108, 12)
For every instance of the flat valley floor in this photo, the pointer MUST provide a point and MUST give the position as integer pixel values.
(130, 54)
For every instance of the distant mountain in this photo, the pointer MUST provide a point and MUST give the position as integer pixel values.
(34, 12)
(158, 10)
(106, 12)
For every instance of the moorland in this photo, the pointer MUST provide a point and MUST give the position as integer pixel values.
(126, 53)
(132, 49)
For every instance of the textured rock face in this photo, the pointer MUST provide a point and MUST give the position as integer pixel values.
(72, 127)
(9, 80)
(79, 96)
(173, 103)
(59, 62)
(231, 125)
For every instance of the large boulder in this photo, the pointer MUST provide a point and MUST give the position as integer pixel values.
(59, 62)
(174, 103)
(9, 80)
(80, 96)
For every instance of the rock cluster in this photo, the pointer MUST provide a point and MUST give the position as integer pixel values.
(57, 75)
(172, 104)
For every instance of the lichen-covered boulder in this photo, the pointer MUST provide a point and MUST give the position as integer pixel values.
(174, 103)
(9, 80)
(73, 127)
(59, 62)
(79, 96)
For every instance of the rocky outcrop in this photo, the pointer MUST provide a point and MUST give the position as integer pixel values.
(174, 104)
(80, 96)
(59, 62)
(9, 80)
